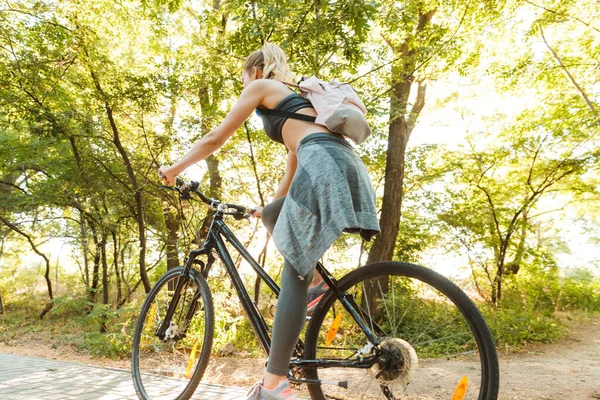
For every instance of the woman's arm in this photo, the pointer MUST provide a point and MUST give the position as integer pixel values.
(286, 181)
(251, 97)
(284, 184)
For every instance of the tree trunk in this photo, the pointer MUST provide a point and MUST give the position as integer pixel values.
(212, 162)
(216, 184)
(84, 244)
(173, 224)
(105, 288)
(172, 217)
(401, 126)
(137, 190)
(500, 274)
(96, 271)
(389, 221)
(1, 305)
(116, 264)
(16, 229)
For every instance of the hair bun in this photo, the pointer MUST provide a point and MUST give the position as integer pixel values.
(275, 63)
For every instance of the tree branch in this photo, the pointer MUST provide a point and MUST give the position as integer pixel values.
(253, 162)
(15, 186)
(417, 106)
(535, 156)
(588, 24)
(36, 250)
(10, 9)
(579, 89)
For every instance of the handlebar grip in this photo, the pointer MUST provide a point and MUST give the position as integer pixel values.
(236, 207)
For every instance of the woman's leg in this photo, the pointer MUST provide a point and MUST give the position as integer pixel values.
(270, 213)
(290, 317)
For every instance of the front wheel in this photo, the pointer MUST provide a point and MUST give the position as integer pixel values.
(170, 365)
(429, 340)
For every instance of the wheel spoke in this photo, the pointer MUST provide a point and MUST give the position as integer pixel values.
(384, 305)
(441, 339)
(434, 340)
(430, 327)
(368, 309)
(167, 363)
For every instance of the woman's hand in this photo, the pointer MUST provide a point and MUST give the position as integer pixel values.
(258, 212)
(166, 175)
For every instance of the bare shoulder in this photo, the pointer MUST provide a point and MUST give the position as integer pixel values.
(272, 91)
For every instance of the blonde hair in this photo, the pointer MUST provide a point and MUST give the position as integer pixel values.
(272, 61)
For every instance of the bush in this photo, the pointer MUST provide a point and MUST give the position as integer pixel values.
(110, 344)
(580, 291)
(513, 327)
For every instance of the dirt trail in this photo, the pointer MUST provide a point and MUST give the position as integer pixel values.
(566, 370)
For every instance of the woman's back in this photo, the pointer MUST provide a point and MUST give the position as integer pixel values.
(290, 131)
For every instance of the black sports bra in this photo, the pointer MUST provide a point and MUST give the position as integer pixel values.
(273, 123)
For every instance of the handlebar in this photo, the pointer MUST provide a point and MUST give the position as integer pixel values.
(185, 192)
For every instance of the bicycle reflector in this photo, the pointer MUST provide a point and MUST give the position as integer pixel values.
(151, 314)
(333, 329)
(188, 371)
(461, 389)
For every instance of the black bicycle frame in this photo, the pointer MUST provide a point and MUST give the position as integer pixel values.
(216, 239)
(218, 233)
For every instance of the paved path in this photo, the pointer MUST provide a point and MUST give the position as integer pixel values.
(30, 378)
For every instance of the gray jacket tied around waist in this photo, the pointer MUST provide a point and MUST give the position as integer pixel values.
(331, 193)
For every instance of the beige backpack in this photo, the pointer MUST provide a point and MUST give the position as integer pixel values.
(337, 105)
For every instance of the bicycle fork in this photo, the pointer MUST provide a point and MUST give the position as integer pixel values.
(164, 330)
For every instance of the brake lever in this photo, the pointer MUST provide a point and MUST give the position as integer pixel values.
(185, 191)
(250, 212)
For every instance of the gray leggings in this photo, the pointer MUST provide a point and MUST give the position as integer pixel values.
(290, 314)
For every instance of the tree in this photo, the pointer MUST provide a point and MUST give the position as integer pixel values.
(414, 40)
(544, 149)
(35, 248)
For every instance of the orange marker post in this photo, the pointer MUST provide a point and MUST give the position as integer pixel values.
(461, 389)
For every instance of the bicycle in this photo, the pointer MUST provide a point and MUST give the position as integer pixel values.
(389, 330)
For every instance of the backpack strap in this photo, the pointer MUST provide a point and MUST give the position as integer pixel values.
(290, 84)
(287, 114)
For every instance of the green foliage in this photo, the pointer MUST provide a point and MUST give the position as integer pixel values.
(435, 327)
(231, 323)
(168, 71)
(514, 327)
(580, 291)
(107, 344)
(82, 327)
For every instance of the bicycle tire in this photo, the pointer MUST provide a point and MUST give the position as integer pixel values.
(441, 294)
(154, 375)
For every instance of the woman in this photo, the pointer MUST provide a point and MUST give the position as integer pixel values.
(325, 190)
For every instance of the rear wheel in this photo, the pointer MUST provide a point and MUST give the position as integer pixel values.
(430, 341)
(170, 366)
